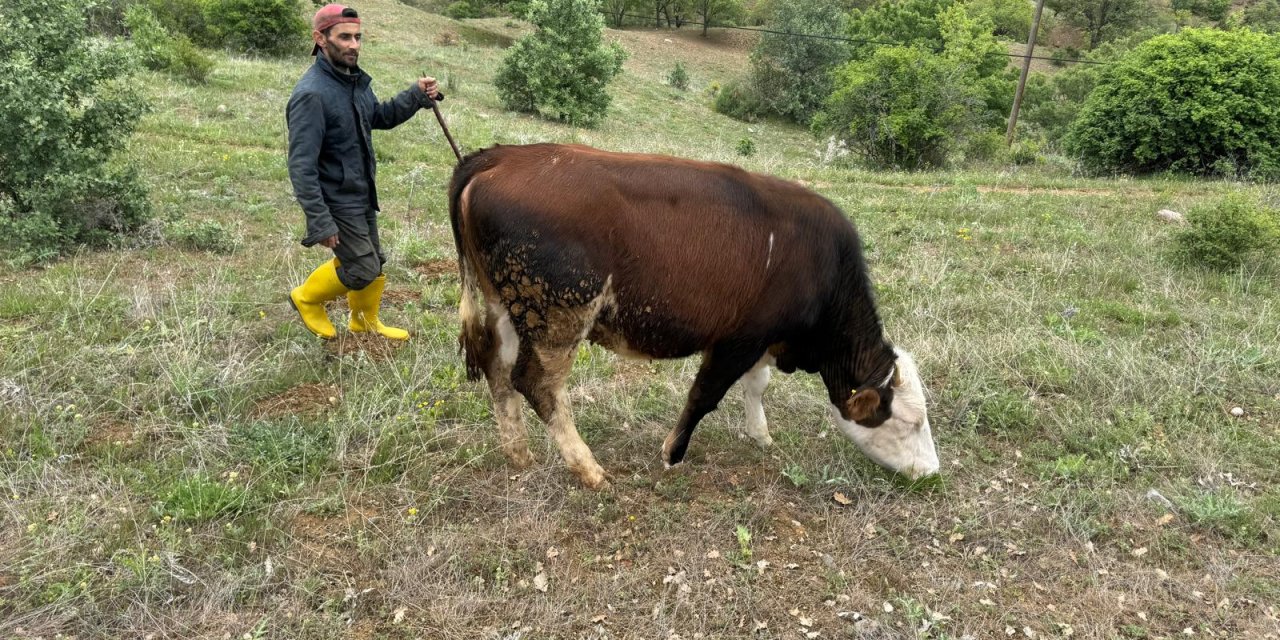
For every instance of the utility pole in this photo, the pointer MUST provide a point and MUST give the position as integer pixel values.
(1022, 79)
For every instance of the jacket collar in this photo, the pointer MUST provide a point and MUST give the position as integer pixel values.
(359, 78)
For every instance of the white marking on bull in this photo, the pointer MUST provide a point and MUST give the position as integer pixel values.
(769, 259)
(753, 386)
(513, 434)
(904, 442)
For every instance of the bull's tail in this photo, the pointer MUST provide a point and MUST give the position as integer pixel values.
(475, 342)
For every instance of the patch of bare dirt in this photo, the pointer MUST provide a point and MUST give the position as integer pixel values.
(303, 400)
(374, 347)
(109, 433)
(400, 297)
(721, 53)
(440, 268)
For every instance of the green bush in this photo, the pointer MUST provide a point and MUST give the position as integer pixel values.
(209, 235)
(563, 68)
(746, 147)
(1210, 9)
(273, 27)
(164, 52)
(184, 17)
(70, 109)
(1227, 235)
(679, 77)
(1010, 18)
(1200, 101)
(464, 9)
(1263, 16)
(792, 76)
(739, 101)
(911, 108)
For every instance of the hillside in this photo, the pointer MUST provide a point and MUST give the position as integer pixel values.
(182, 459)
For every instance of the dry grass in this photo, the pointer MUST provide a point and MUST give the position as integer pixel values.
(171, 464)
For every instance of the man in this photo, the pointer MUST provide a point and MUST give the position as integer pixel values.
(331, 115)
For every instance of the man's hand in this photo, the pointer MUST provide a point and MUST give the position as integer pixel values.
(330, 242)
(429, 87)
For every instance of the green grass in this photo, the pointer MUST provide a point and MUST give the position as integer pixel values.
(179, 457)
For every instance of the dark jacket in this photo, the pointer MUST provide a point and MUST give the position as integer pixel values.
(331, 116)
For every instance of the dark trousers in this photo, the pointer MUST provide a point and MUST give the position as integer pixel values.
(358, 250)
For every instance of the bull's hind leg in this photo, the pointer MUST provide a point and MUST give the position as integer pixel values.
(513, 434)
(753, 386)
(721, 367)
(540, 374)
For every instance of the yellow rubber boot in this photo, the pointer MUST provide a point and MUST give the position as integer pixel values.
(308, 299)
(364, 311)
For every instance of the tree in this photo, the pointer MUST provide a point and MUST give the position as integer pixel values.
(1263, 16)
(617, 10)
(563, 68)
(1102, 19)
(911, 23)
(1201, 101)
(909, 107)
(70, 112)
(717, 10)
(1011, 18)
(793, 75)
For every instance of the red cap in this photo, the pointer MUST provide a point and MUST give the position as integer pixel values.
(328, 16)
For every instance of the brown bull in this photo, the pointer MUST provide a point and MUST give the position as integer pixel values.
(658, 257)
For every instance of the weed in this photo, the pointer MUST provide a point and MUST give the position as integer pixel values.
(199, 498)
(1221, 511)
(679, 77)
(795, 473)
(744, 543)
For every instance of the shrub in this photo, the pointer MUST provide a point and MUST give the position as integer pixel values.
(1010, 18)
(562, 68)
(739, 101)
(1210, 9)
(910, 108)
(1024, 152)
(1228, 234)
(273, 27)
(464, 9)
(184, 17)
(679, 77)
(1200, 101)
(209, 235)
(164, 52)
(746, 147)
(59, 185)
(792, 76)
(1263, 16)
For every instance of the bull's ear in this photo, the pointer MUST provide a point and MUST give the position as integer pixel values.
(863, 404)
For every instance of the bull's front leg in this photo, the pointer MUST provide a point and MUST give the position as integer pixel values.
(753, 386)
(721, 367)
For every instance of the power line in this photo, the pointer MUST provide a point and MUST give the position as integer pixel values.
(818, 36)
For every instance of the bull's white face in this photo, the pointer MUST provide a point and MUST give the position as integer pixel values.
(903, 442)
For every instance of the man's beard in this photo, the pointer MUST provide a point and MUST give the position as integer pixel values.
(335, 56)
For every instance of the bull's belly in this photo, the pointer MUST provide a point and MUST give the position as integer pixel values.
(644, 338)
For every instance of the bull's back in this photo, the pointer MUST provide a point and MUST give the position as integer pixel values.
(690, 251)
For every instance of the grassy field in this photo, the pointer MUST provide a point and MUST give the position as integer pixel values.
(179, 458)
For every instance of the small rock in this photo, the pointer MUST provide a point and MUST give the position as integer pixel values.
(1168, 215)
(1237, 411)
(1158, 497)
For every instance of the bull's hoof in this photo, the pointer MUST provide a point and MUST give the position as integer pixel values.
(595, 484)
(521, 460)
